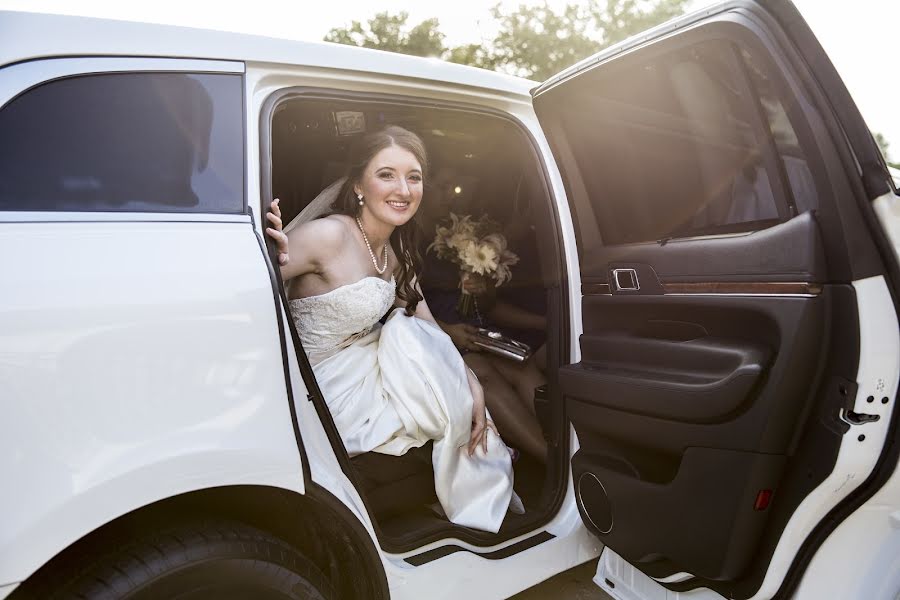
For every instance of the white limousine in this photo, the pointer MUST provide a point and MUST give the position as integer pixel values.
(712, 240)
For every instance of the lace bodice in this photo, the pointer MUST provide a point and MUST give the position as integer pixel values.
(336, 318)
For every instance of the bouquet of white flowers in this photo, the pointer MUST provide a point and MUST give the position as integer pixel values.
(478, 247)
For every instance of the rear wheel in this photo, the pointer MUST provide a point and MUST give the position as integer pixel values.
(222, 560)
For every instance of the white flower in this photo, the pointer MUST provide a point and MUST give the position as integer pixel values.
(508, 258)
(477, 246)
(460, 241)
(441, 242)
(462, 225)
(502, 275)
(481, 258)
(497, 240)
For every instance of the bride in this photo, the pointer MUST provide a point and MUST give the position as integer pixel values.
(390, 388)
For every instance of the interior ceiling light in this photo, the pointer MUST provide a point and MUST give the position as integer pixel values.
(457, 190)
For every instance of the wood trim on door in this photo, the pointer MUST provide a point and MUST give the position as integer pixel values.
(721, 288)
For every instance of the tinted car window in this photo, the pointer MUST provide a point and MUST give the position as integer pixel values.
(790, 150)
(673, 146)
(158, 142)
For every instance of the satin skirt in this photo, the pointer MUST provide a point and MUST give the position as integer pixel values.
(403, 384)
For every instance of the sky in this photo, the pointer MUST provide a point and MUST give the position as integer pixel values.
(858, 36)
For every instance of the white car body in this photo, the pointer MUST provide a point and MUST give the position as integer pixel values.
(107, 318)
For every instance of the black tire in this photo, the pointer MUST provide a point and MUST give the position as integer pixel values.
(215, 560)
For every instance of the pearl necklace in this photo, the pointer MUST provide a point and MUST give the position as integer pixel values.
(372, 254)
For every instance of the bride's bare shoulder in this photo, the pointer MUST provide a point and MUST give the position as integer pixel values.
(327, 232)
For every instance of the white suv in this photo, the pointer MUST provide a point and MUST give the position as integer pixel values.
(711, 232)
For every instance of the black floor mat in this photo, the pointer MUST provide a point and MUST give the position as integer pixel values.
(422, 522)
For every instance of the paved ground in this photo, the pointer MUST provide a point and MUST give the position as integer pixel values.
(574, 584)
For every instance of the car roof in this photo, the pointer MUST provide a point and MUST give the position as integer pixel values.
(28, 36)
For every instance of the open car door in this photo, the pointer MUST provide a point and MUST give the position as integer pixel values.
(735, 390)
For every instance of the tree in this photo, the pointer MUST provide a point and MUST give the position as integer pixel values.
(425, 40)
(474, 55)
(617, 20)
(533, 41)
(883, 145)
(390, 32)
(536, 41)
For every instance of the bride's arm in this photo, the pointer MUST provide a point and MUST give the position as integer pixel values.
(422, 310)
(305, 248)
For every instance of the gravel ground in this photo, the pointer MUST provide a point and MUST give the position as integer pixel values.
(574, 584)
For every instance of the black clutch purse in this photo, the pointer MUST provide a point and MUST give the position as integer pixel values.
(501, 345)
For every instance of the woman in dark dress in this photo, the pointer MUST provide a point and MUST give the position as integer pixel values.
(515, 310)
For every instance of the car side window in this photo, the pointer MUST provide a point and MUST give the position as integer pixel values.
(792, 157)
(137, 142)
(675, 146)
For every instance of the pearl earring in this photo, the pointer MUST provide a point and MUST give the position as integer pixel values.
(360, 196)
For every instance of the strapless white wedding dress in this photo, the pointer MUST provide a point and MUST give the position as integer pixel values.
(394, 387)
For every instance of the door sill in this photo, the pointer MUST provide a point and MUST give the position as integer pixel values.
(621, 581)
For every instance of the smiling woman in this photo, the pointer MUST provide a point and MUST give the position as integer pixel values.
(394, 388)
(380, 194)
(475, 163)
(382, 191)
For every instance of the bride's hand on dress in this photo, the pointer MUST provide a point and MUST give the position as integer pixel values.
(275, 232)
(480, 423)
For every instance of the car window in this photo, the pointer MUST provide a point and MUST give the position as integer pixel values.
(794, 163)
(674, 146)
(157, 142)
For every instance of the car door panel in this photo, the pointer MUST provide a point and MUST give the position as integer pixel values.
(685, 516)
(789, 252)
(790, 329)
(678, 389)
(720, 329)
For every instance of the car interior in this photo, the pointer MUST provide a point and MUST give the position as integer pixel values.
(478, 164)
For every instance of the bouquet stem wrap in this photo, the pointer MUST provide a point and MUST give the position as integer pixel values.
(465, 306)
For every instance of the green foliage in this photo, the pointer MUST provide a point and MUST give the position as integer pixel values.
(425, 40)
(532, 41)
(474, 55)
(390, 32)
(883, 145)
(619, 19)
(536, 42)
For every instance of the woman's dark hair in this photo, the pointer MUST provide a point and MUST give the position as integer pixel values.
(406, 238)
